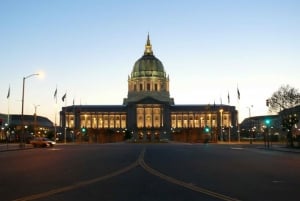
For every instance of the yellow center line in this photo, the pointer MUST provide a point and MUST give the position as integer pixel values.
(140, 161)
(77, 185)
(181, 183)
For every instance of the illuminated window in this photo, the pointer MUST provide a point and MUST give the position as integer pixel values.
(196, 121)
(100, 120)
(140, 121)
(173, 117)
(185, 121)
(117, 121)
(191, 121)
(105, 124)
(111, 121)
(94, 121)
(123, 121)
(179, 121)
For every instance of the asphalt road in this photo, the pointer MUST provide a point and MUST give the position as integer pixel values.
(142, 172)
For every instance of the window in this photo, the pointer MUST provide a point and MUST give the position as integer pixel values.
(123, 121)
(117, 123)
(185, 121)
(111, 121)
(105, 121)
(94, 121)
(148, 86)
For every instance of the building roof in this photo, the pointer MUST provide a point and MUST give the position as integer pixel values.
(95, 108)
(201, 107)
(16, 119)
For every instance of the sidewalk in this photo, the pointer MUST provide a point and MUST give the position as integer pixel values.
(282, 148)
(13, 147)
(260, 145)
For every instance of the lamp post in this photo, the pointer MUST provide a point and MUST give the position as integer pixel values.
(22, 140)
(221, 124)
(35, 119)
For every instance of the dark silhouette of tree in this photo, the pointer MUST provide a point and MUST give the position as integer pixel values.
(284, 98)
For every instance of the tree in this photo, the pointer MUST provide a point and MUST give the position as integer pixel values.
(285, 97)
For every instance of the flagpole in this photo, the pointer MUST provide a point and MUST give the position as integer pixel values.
(55, 113)
(8, 104)
(65, 128)
(8, 111)
(55, 123)
(238, 114)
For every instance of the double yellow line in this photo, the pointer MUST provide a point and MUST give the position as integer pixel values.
(140, 161)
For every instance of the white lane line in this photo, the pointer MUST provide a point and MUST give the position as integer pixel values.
(237, 148)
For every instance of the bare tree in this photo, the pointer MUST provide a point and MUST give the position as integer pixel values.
(285, 97)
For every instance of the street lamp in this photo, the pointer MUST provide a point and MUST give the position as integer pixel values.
(221, 124)
(22, 113)
(35, 119)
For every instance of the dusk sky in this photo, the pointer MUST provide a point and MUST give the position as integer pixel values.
(87, 49)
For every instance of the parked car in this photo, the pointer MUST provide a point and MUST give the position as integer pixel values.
(42, 142)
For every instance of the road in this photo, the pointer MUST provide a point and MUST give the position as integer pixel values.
(138, 172)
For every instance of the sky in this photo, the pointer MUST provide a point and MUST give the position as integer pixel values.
(87, 49)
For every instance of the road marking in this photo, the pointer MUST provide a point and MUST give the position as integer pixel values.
(77, 185)
(54, 149)
(181, 183)
(277, 181)
(140, 161)
(236, 148)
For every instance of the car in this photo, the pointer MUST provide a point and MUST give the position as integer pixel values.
(42, 142)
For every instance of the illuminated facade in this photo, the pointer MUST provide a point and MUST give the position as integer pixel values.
(148, 112)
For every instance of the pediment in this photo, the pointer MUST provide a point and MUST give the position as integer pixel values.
(148, 100)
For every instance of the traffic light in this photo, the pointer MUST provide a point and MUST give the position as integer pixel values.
(267, 122)
(206, 129)
(83, 130)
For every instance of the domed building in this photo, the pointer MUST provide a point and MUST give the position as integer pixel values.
(149, 113)
(148, 78)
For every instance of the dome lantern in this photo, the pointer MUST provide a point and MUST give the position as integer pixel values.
(148, 47)
(148, 65)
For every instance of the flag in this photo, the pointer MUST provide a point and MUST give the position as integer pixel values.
(228, 98)
(238, 94)
(63, 98)
(214, 104)
(221, 100)
(55, 93)
(8, 93)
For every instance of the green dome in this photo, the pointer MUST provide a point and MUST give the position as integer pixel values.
(148, 65)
